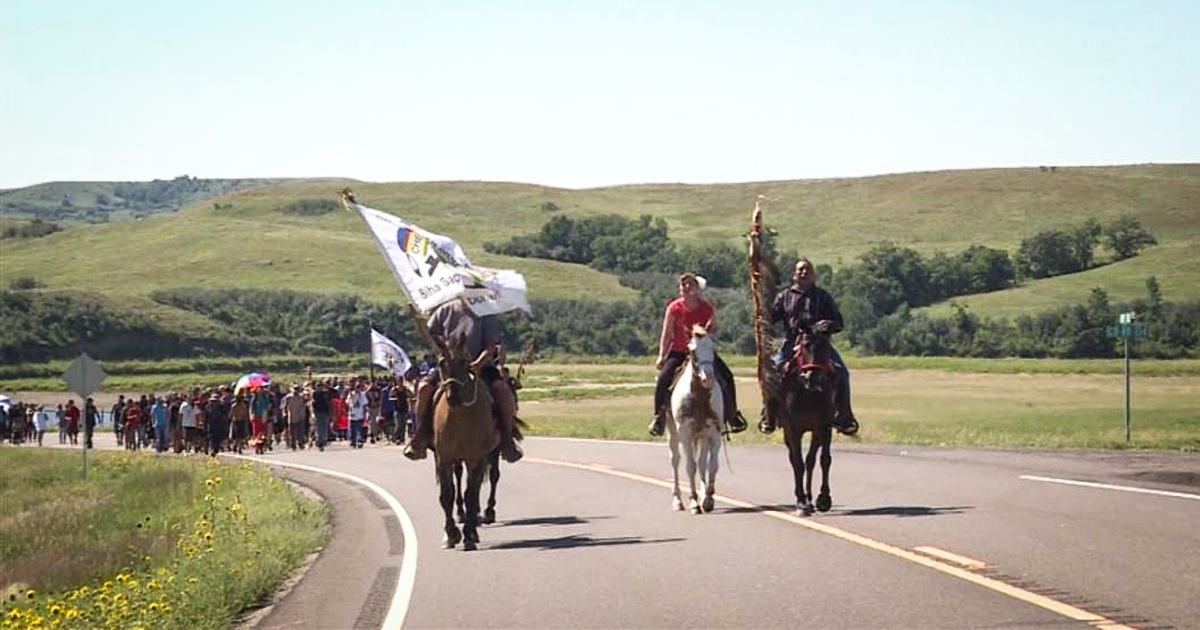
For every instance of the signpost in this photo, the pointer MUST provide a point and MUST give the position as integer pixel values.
(1126, 329)
(83, 377)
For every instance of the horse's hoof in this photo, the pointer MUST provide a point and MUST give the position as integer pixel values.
(808, 509)
(489, 517)
(824, 502)
(695, 509)
(469, 545)
(677, 505)
(708, 504)
(451, 539)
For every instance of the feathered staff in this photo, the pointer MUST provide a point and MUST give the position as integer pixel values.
(763, 277)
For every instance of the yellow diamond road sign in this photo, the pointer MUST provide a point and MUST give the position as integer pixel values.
(84, 376)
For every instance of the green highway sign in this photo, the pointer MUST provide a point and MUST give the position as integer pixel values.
(1127, 331)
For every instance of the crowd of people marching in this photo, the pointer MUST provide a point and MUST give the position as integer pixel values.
(317, 412)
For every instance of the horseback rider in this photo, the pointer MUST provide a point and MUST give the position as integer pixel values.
(801, 307)
(452, 320)
(688, 310)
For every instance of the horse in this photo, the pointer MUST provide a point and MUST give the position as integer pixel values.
(464, 433)
(696, 421)
(803, 403)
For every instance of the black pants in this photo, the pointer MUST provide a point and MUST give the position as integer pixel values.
(666, 375)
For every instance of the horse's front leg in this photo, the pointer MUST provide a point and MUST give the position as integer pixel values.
(825, 501)
(794, 440)
(710, 460)
(475, 473)
(689, 454)
(493, 460)
(673, 444)
(810, 463)
(458, 492)
(447, 494)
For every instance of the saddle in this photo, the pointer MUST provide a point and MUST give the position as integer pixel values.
(679, 372)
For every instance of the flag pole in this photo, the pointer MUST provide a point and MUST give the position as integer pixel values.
(756, 279)
(371, 348)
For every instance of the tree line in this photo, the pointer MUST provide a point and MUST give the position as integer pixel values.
(46, 326)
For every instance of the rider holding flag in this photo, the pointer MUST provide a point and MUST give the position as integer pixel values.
(804, 306)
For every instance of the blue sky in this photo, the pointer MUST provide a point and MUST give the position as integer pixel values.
(585, 93)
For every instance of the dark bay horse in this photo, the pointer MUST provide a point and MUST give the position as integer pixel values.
(464, 433)
(802, 401)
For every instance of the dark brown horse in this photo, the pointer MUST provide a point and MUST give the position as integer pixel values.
(464, 433)
(801, 397)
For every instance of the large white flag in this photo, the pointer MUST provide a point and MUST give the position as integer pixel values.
(432, 269)
(386, 353)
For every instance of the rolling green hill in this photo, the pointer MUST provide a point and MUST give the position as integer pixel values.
(242, 239)
(100, 202)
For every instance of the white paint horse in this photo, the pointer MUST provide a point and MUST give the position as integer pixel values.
(697, 421)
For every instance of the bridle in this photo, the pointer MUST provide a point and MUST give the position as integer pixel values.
(471, 379)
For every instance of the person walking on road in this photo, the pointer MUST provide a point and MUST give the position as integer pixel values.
(216, 422)
(320, 412)
(71, 419)
(91, 416)
(295, 410)
(41, 422)
(159, 414)
(356, 400)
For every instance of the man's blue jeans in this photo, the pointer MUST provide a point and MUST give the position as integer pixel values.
(356, 432)
(322, 428)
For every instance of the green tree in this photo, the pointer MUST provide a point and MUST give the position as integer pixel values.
(1125, 237)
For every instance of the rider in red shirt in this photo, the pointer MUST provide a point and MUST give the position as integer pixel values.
(686, 311)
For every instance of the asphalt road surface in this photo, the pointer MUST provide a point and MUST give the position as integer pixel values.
(917, 538)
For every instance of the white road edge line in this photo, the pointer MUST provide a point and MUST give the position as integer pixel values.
(1108, 486)
(408, 562)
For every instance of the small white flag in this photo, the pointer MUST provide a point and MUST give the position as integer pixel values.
(386, 353)
(433, 269)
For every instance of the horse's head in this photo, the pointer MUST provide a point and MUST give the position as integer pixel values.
(811, 362)
(702, 354)
(459, 371)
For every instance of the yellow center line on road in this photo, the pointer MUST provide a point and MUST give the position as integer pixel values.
(1053, 605)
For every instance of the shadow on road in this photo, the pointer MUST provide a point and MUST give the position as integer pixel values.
(905, 510)
(890, 510)
(576, 540)
(552, 520)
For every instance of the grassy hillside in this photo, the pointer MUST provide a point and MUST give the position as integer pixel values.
(248, 242)
(99, 202)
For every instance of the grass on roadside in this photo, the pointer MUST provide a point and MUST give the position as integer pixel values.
(145, 541)
(943, 408)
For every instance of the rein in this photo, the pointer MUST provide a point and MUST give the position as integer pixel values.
(475, 390)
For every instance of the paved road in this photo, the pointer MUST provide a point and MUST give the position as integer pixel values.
(586, 538)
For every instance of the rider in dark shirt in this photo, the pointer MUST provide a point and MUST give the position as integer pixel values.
(455, 320)
(805, 306)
